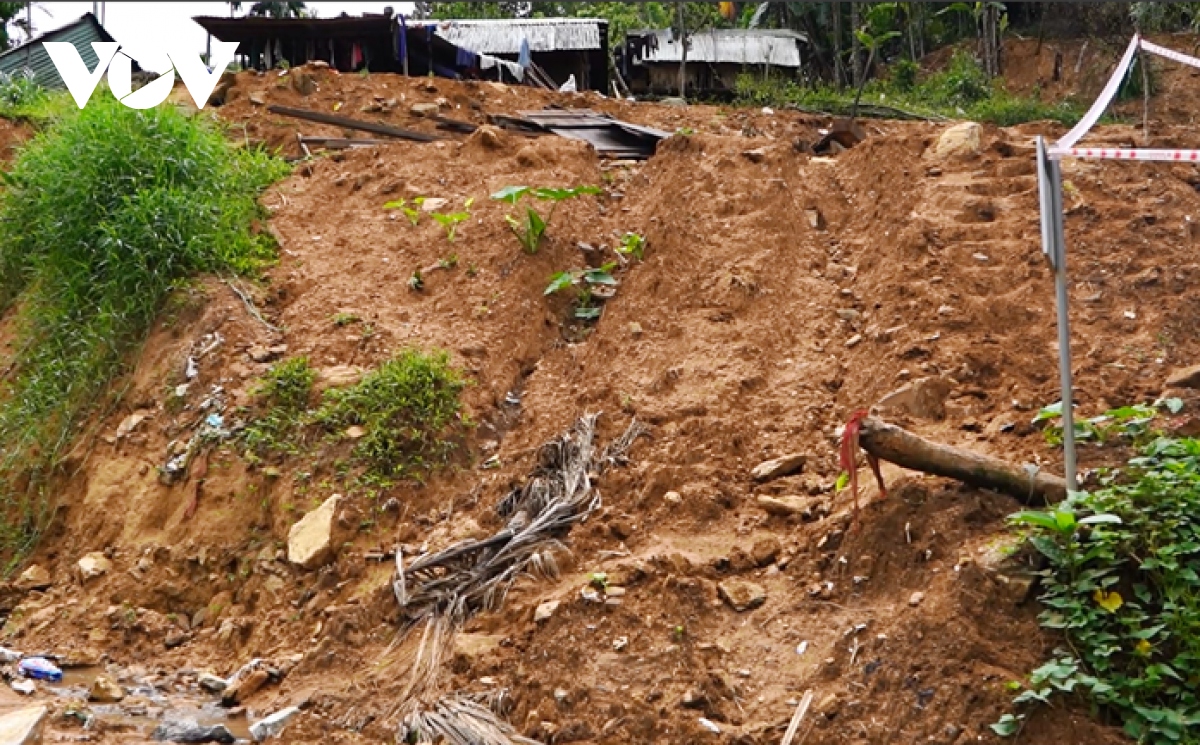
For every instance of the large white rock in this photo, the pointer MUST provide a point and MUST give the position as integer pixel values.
(960, 140)
(23, 726)
(311, 540)
(274, 724)
(36, 577)
(94, 565)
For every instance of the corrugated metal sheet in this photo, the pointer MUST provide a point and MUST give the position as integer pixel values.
(32, 55)
(544, 34)
(777, 47)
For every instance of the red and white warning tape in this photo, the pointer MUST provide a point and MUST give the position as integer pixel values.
(1182, 156)
(1066, 146)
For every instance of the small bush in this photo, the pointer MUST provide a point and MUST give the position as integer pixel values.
(284, 392)
(102, 216)
(904, 75)
(409, 408)
(962, 83)
(1122, 585)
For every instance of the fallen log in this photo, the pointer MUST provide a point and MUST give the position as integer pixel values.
(893, 444)
(347, 122)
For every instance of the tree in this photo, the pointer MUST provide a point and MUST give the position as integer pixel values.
(8, 12)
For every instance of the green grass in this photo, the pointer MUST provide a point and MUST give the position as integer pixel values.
(410, 410)
(103, 214)
(1122, 586)
(960, 91)
(283, 393)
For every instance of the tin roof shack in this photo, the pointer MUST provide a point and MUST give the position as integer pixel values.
(649, 60)
(561, 47)
(375, 42)
(32, 55)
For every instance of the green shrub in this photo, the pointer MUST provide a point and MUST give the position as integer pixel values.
(1122, 585)
(409, 408)
(962, 83)
(283, 392)
(102, 216)
(904, 75)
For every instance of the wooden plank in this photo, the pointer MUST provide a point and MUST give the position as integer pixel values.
(347, 122)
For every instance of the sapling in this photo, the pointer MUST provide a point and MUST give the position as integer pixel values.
(449, 221)
(413, 215)
(531, 228)
(587, 281)
(632, 244)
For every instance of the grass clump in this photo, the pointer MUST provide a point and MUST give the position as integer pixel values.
(284, 392)
(1122, 586)
(103, 215)
(409, 409)
(960, 91)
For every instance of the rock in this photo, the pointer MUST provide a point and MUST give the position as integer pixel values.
(131, 422)
(355, 432)
(490, 137)
(211, 683)
(1188, 377)
(470, 647)
(176, 639)
(783, 466)
(256, 98)
(545, 611)
(338, 376)
(924, 398)
(816, 220)
(741, 594)
(433, 203)
(765, 551)
(24, 686)
(915, 599)
(244, 688)
(94, 565)
(36, 577)
(304, 83)
(673, 497)
(758, 155)
(190, 731)
(621, 528)
(105, 690)
(274, 724)
(311, 540)
(964, 139)
(854, 341)
(424, 109)
(693, 699)
(23, 726)
(787, 505)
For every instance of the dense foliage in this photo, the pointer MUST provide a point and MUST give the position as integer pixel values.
(102, 216)
(1122, 586)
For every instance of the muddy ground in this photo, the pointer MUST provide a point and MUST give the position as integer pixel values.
(779, 292)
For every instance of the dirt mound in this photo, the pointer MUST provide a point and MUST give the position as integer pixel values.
(779, 293)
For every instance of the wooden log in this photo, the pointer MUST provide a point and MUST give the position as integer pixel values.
(345, 121)
(891, 443)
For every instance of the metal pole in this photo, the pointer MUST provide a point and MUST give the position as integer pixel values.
(1054, 246)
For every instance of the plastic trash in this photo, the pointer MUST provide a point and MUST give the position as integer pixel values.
(40, 668)
(9, 655)
(569, 86)
(26, 687)
(273, 725)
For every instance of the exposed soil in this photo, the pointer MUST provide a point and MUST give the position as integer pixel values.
(779, 293)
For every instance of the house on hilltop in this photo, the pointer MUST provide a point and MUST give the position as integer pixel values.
(649, 60)
(559, 47)
(32, 55)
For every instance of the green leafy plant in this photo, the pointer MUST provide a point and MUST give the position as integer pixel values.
(530, 229)
(449, 221)
(416, 282)
(345, 319)
(412, 213)
(409, 408)
(102, 216)
(586, 281)
(283, 394)
(1129, 422)
(1121, 584)
(632, 244)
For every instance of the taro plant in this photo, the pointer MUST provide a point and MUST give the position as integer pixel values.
(590, 284)
(450, 220)
(412, 213)
(1121, 585)
(632, 244)
(530, 229)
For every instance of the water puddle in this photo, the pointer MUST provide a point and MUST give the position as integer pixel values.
(148, 704)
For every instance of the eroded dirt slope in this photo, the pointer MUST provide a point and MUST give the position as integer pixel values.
(779, 293)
